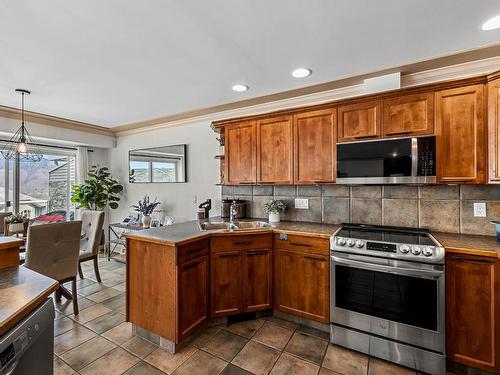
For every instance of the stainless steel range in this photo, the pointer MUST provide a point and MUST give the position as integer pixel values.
(388, 296)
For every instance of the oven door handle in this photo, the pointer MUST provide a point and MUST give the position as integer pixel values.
(423, 273)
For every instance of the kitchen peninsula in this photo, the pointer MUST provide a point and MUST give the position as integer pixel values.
(179, 277)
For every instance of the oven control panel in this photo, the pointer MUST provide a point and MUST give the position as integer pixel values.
(421, 253)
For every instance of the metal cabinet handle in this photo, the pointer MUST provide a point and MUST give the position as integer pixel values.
(231, 254)
(256, 252)
(402, 132)
(311, 257)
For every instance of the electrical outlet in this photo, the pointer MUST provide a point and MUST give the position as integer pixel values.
(480, 209)
(195, 199)
(302, 203)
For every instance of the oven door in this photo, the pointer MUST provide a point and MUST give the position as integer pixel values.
(398, 300)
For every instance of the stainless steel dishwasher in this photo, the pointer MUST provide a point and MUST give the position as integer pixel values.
(28, 347)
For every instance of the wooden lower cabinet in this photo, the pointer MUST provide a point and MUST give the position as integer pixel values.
(257, 280)
(302, 284)
(241, 274)
(167, 287)
(226, 283)
(473, 310)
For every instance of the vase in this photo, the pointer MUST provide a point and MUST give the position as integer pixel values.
(146, 221)
(274, 217)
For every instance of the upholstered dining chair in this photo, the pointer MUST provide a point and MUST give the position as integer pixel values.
(53, 251)
(3, 215)
(92, 222)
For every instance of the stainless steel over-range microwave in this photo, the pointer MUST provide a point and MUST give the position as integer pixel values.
(389, 161)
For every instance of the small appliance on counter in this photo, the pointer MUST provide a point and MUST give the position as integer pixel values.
(204, 209)
(239, 208)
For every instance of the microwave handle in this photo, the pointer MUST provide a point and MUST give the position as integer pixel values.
(414, 157)
(421, 273)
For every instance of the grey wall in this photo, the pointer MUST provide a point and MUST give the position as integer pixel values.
(447, 208)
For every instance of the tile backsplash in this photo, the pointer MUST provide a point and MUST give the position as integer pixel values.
(445, 208)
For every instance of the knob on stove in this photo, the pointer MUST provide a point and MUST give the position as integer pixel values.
(405, 249)
(415, 250)
(427, 251)
(350, 242)
(359, 243)
(341, 241)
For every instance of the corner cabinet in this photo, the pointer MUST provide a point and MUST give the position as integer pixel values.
(461, 135)
(473, 310)
(275, 150)
(241, 148)
(315, 147)
(494, 128)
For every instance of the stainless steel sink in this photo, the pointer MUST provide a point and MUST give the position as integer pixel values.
(220, 225)
(239, 225)
(252, 224)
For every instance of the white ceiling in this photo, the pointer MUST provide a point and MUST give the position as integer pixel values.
(115, 62)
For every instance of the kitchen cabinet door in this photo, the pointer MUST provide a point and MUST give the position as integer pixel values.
(408, 115)
(360, 121)
(460, 135)
(473, 311)
(275, 150)
(257, 280)
(494, 129)
(193, 295)
(226, 283)
(241, 157)
(302, 284)
(314, 147)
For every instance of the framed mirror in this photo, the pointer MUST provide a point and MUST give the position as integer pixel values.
(157, 164)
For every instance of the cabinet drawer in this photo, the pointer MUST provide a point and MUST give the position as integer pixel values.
(306, 244)
(192, 251)
(241, 242)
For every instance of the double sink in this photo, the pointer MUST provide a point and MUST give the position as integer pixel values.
(235, 225)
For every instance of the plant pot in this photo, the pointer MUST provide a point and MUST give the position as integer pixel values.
(146, 221)
(274, 217)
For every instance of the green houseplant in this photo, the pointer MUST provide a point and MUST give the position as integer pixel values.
(15, 223)
(98, 191)
(274, 207)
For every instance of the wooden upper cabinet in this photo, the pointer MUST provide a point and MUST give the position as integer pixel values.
(241, 149)
(315, 147)
(275, 150)
(494, 129)
(360, 121)
(460, 135)
(408, 115)
(473, 310)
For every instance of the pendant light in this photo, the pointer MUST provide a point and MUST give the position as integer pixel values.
(22, 143)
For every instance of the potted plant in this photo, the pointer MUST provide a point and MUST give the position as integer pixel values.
(146, 208)
(98, 191)
(15, 223)
(274, 208)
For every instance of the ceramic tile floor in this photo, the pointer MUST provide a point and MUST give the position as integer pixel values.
(99, 341)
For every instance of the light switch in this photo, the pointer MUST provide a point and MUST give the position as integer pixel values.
(302, 203)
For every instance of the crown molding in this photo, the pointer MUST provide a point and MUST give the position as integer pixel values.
(452, 72)
(59, 122)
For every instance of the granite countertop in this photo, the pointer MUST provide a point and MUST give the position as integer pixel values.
(469, 244)
(182, 233)
(21, 290)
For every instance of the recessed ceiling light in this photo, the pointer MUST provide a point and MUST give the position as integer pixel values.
(301, 72)
(492, 23)
(240, 88)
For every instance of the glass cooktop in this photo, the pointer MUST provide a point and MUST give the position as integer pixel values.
(386, 234)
